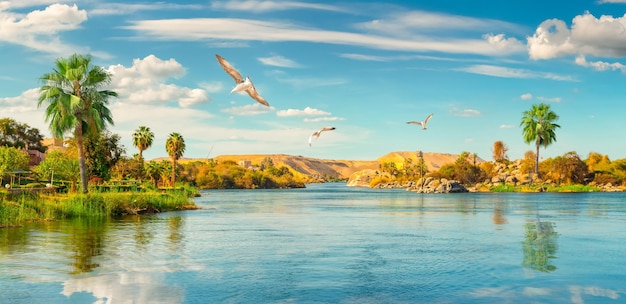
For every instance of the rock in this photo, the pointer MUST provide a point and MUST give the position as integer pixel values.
(362, 178)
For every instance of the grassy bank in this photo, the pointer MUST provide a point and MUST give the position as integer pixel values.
(543, 188)
(18, 209)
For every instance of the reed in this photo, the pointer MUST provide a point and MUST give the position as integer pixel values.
(15, 211)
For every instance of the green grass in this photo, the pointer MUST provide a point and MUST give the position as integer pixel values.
(543, 187)
(23, 208)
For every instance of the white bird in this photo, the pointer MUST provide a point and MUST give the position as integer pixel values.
(421, 123)
(317, 133)
(241, 85)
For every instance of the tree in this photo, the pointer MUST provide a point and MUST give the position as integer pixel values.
(20, 135)
(142, 139)
(175, 147)
(499, 152)
(539, 127)
(77, 102)
(12, 159)
(61, 165)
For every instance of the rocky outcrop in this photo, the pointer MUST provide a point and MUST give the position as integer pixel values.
(432, 185)
(362, 178)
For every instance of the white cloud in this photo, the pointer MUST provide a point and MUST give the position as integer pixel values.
(465, 112)
(604, 36)
(143, 82)
(499, 71)
(250, 109)
(407, 23)
(231, 29)
(326, 118)
(265, 6)
(126, 9)
(507, 126)
(611, 1)
(279, 61)
(600, 65)
(39, 29)
(526, 96)
(362, 57)
(548, 99)
(505, 45)
(308, 111)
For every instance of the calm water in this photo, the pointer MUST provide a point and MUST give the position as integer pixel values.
(331, 244)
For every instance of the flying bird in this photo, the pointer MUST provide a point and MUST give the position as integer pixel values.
(421, 123)
(241, 84)
(316, 134)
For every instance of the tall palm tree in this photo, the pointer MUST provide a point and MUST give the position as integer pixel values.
(77, 102)
(142, 139)
(539, 126)
(175, 146)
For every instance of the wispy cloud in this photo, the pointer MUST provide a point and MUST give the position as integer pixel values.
(549, 99)
(320, 119)
(224, 29)
(600, 65)
(311, 82)
(248, 110)
(465, 112)
(127, 9)
(279, 61)
(265, 6)
(308, 111)
(507, 126)
(505, 72)
(526, 96)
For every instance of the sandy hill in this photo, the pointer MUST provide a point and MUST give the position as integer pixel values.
(336, 168)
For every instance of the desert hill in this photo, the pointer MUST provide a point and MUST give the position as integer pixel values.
(336, 168)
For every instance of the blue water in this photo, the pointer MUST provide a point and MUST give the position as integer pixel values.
(329, 243)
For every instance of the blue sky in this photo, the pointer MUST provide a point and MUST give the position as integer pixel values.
(364, 67)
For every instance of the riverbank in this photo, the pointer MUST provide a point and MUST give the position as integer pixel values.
(17, 210)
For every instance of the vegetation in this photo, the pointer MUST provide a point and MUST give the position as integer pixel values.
(76, 102)
(20, 135)
(539, 127)
(230, 175)
(499, 152)
(175, 147)
(16, 210)
(142, 139)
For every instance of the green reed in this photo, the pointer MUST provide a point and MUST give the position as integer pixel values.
(15, 210)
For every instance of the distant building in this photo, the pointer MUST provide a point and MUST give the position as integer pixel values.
(245, 163)
(54, 144)
(35, 157)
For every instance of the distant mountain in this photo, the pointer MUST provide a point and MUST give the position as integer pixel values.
(336, 168)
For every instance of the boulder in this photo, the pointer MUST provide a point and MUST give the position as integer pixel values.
(362, 178)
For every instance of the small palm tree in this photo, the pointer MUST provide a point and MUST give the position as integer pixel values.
(77, 102)
(539, 127)
(175, 147)
(142, 139)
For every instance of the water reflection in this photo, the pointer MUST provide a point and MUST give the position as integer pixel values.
(539, 245)
(85, 242)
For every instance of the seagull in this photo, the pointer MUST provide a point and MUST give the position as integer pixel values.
(421, 123)
(241, 84)
(317, 133)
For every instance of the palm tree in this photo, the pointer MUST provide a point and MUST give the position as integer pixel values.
(77, 102)
(142, 139)
(539, 126)
(175, 146)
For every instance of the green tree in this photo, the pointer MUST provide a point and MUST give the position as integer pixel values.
(155, 170)
(77, 102)
(142, 139)
(61, 165)
(175, 147)
(20, 135)
(539, 127)
(12, 159)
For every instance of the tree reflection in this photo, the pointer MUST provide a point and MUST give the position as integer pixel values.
(539, 245)
(86, 239)
(498, 213)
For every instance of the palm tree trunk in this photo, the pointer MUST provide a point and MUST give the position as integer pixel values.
(173, 171)
(81, 159)
(537, 160)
